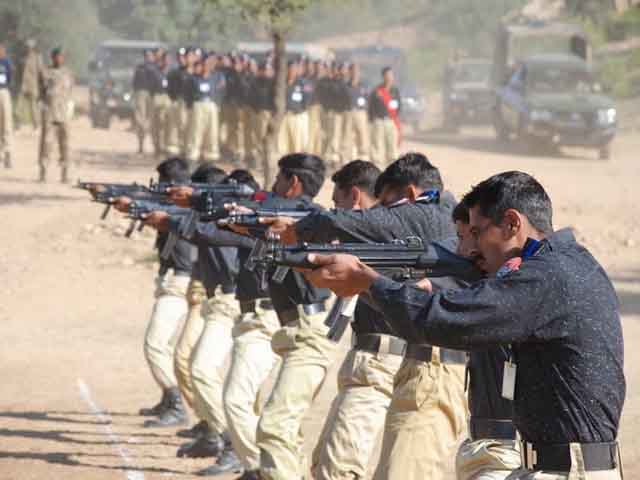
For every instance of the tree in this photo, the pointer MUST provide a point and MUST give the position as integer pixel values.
(277, 19)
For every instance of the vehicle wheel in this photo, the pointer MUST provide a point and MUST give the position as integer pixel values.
(604, 152)
(502, 133)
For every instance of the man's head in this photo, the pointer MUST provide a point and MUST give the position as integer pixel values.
(162, 59)
(243, 177)
(354, 185)
(300, 174)
(199, 67)
(174, 170)
(57, 57)
(208, 173)
(149, 55)
(408, 177)
(467, 244)
(504, 211)
(387, 76)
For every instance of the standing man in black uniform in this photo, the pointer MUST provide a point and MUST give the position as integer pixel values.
(161, 102)
(294, 131)
(175, 79)
(550, 300)
(142, 97)
(384, 115)
(356, 126)
(262, 102)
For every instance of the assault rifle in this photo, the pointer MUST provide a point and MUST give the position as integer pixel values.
(401, 260)
(106, 193)
(226, 189)
(139, 211)
(252, 220)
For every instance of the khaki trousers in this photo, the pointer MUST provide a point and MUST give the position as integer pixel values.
(31, 101)
(315, 130)
(53, 133)
(252, 359)
(294, 133)
(174, 128)
(260, 153)
(306, 356)
(160, 123)
(168, 315)
(203, 140)
(143, 112)
(193, 326)
(236, 123)
(487, 459)
(208, 360)
(357, 138)
(384, 137)
(6, 123)
(335, 137)
(356, 418)
(426, 417)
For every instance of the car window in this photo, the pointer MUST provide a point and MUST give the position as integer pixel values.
(555, 79)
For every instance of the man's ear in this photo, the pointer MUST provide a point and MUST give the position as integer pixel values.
(412, 193)
(512, 223)
(356, 197)
(295, 187)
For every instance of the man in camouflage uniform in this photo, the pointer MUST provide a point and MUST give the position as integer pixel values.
(30, 89)
(57, 112)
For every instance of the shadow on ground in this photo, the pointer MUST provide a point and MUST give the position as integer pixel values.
(22, 198)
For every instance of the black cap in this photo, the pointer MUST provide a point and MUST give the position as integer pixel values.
(56, 51)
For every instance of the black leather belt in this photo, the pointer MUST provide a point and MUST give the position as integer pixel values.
(557, 458)
(380, 344)
(485, 428)
(250, 306)
(292, 315)
(423, 353)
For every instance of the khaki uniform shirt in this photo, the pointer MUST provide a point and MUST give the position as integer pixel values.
(31, 73)
(57, 89)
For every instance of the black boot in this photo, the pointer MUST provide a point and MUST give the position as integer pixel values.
(175, 414)
(203, 447)
(156, 410)
(64, 175)
(7, 160)
(228, 462)
(42, 178)
(200, 429)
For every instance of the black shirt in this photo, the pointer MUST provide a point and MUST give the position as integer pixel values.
(262, 94)
(201, 89)
(175, 79)
(486, 368)
(180, 260)
(158, 83)
(297, 98)
(142, 77)
(559, 312)
(358, 96)
(294, 290)
(377, 107)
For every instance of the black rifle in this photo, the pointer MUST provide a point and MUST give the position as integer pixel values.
(140, 210)
(406, 259)
(401, 260)
(106, 193)
(227, 189)
(252, 220)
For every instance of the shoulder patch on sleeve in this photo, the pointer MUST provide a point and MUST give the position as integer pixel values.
(511, 265)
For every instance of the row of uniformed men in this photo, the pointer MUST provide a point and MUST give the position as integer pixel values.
(414, 392)
(210, 100)
(47, 90)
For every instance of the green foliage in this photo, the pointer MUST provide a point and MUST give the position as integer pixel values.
(49, 23)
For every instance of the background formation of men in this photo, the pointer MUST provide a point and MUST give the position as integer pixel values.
(209, 106)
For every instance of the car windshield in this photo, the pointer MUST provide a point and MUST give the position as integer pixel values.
(121, 59)
(550, 79)
(472, 73)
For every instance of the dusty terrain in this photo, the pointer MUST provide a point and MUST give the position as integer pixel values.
(75, 296)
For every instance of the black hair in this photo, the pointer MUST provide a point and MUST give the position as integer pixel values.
(460, 213)
(310, 170)
(513, 190)
(174, 169)
(243, 177)
(208, 173)
(385, 70)
(357, 173)
(410, 169)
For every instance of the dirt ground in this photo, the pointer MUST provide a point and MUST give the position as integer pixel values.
(75, 297)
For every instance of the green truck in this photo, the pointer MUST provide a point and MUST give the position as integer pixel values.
(546, 92)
